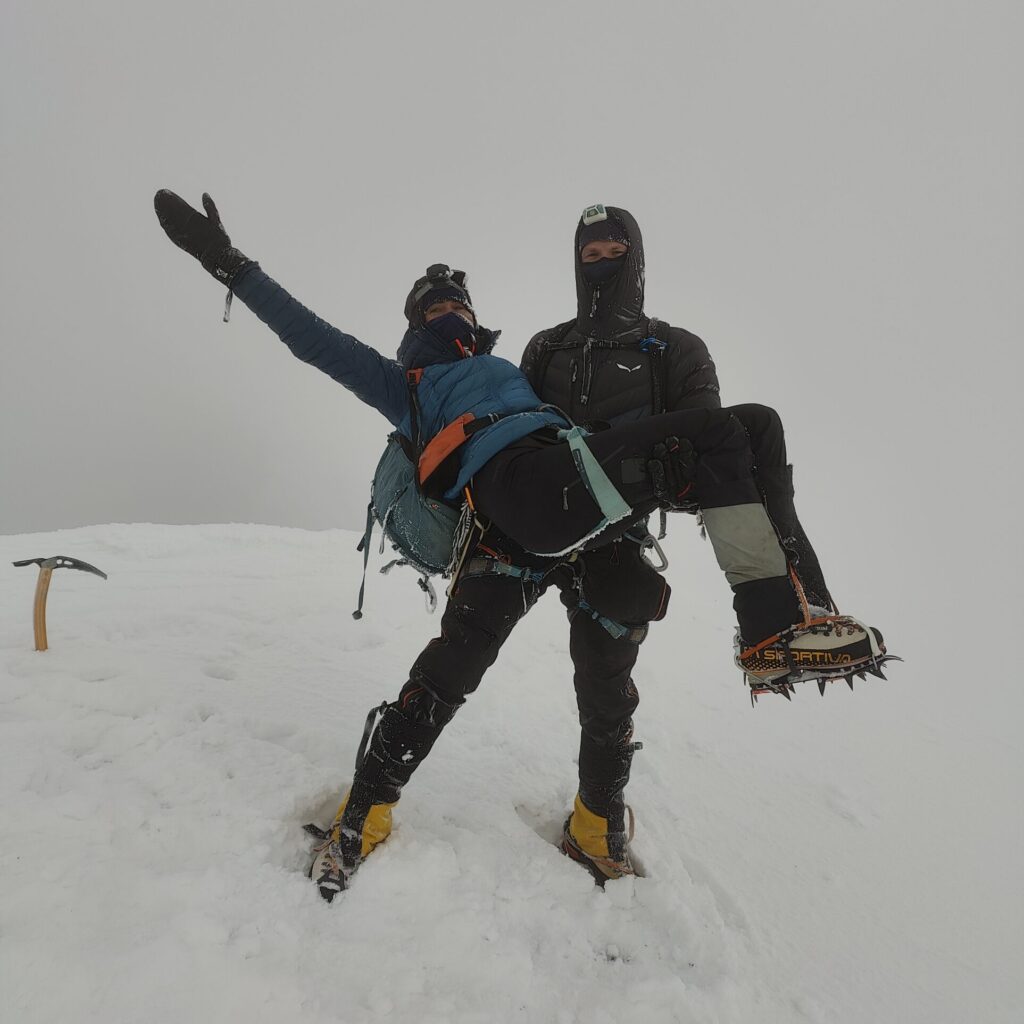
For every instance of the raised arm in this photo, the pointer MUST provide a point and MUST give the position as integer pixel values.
(371, 377)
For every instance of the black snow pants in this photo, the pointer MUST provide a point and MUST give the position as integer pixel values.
(611, 594)
(742, 461)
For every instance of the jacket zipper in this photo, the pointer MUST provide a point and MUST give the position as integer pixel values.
(588, 371)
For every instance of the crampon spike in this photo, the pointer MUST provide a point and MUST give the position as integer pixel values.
(785, 684)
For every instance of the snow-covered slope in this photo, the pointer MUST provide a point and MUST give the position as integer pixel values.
(826, 860)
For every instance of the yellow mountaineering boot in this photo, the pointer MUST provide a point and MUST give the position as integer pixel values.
(588, 840)
(337, 857)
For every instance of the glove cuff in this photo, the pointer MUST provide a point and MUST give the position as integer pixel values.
(225, 264)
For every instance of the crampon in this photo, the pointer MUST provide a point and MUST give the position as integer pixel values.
(328, 869)
(602, 868)
(825, 649)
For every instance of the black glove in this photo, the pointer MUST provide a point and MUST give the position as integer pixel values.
(671, 468)
(202, 237)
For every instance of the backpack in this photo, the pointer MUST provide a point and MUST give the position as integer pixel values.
(427, 532)
(421, 528)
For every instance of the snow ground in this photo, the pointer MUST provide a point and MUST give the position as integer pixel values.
(849, 859)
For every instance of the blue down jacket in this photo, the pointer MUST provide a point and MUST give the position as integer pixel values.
(449, 387)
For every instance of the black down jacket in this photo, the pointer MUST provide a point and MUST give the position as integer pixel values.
(596, 368)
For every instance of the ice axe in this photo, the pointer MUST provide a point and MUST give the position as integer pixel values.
(46, 567)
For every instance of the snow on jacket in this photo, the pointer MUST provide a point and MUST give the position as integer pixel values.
(449, 387)
(594, 367)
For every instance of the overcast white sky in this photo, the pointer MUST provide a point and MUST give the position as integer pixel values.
(830, 196)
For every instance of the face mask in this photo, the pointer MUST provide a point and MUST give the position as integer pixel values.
(452, 329)
(602, 271)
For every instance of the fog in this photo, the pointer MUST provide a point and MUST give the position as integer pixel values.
(829, 193)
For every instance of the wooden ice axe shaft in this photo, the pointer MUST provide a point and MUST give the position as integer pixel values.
(39, 608)
(46, 567)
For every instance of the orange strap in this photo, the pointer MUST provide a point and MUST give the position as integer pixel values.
(443, 444)
(772, 639)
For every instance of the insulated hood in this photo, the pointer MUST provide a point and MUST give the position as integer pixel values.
(612, 309)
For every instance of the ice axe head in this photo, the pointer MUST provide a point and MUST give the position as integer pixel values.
(62, 562)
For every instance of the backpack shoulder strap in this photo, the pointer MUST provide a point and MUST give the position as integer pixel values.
(558, 334)
(654, 345)
(412, 379)
(659, 329)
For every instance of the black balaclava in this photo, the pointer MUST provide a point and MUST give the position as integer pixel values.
(609, 292)
(453, 329)
(609, 229)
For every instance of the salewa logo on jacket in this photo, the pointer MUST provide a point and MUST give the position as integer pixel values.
(628, 369)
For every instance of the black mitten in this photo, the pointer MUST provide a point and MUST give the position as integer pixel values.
(201, 237)
(671, 468)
